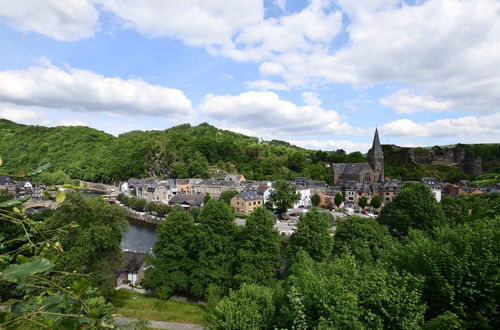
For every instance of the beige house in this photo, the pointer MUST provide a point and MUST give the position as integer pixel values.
(246, 201)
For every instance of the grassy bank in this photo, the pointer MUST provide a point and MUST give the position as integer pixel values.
(135, 305)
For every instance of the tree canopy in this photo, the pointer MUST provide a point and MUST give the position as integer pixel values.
(413, 207)
(284, 196)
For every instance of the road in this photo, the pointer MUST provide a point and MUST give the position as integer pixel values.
(160, 324)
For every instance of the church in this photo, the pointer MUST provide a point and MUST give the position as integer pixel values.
(370, 173)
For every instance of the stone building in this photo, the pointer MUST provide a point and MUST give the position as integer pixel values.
(246, 201)
(368, 173)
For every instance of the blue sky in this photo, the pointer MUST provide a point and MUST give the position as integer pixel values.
(320, 74)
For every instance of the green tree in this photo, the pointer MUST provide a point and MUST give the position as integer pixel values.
(216, 248)
(375, 202)
(363, 202)
(195, 212)
(250, 307)
(338, 199)
(132, 202)
(258, 248)
(348, 294)
(413, 207)
(313, 235)
(150, 207)
(174, 255)
(361, 237)
(296, 161)
(227, 195)
(470, 208)
(140, 205)
(206, 198)
(315, 200)
(161, 209)
(284, 196)
(460, 270)
(93, 246)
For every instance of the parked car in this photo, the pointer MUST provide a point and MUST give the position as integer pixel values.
(294, 214)
(284, 217)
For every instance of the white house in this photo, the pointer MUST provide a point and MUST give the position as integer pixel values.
(305, 197)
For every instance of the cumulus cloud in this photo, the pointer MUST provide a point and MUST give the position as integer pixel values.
(266, 85)
(60, 20)
(403, 101)
(81, 90)
(206, 23)
(348, 146)
(484, 127)
(265, 113)
(19, 115)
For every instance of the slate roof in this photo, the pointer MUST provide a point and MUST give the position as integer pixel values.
(5, 180)
(355, 168)
(193, 200)
(376, 147)
(249, 195)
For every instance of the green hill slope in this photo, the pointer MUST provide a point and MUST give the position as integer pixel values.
(180, 152)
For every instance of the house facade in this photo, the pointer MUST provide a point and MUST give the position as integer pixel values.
(245, 202)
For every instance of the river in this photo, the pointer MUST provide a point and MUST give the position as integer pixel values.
(139, 237)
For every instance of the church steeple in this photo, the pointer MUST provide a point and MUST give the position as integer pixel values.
(376, 147)
(376, 157)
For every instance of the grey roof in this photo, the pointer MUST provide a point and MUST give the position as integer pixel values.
(376, 147)
(5, 180)
(355, 168)
(187, 199)
(249, 195)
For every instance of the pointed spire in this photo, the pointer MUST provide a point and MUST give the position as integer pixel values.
(376, 147)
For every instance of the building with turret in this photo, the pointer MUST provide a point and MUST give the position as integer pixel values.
(371, 172)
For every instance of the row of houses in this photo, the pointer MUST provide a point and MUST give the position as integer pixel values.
(252, 194)
(21, 188)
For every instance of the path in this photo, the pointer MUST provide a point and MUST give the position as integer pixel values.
(160, 324)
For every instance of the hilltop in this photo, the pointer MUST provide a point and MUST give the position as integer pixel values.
(181, 151)
(185, 151)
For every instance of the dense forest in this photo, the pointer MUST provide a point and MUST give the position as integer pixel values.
(187, 151)
(180, 152)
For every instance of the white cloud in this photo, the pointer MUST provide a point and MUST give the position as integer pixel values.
(403, 101)
(348, 146)
(266, 114)
(20, 115)
(67, 20)
(81, 90)
(445, 49)
(486, 128)
(266, 85)
(271, 69)
(311, 98)
(207, 23)
(71, 122)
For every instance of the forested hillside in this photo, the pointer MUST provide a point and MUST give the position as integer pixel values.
(179, 152)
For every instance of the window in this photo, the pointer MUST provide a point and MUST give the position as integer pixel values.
(387, 193)
(387, 199)
(254, 203)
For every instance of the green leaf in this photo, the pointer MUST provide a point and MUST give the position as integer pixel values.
(1, 161)
(60, 197)
(39, 170)
(16, 273)
(80, 286)
(14, 202)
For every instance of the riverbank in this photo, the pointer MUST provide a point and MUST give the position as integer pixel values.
(140, 216)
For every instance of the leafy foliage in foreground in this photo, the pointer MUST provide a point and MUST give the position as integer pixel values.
(92, 244)
(29, 252)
